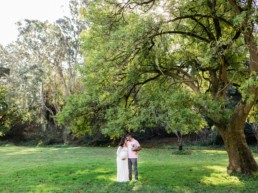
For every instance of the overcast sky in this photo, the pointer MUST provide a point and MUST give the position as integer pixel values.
(12, 11)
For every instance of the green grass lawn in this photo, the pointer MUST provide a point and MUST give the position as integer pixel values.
(85, 169)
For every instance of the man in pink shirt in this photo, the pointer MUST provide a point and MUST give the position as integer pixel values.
(133, 148)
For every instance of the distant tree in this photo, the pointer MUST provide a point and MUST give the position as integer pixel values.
(43, 65)
(7, 115)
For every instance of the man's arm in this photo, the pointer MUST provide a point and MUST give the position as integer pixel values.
(139, 148)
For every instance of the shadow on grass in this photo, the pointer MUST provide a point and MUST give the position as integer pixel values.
(152, 179)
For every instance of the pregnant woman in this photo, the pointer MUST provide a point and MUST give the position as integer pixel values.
(122, 162)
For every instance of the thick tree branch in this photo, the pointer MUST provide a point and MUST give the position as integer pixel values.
(128, 94)
(209, 33)
(182, 33)
(190, 82)
(237, 9)
(215, 19)
(200, 16)
(144, 2)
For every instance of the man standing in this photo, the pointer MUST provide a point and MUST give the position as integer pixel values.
(133, 149)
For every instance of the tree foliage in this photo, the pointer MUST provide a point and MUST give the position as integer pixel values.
(126, 50)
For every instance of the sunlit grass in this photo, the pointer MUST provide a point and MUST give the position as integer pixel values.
(84, 169)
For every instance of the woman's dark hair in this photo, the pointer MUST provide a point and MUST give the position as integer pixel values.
(122, 141)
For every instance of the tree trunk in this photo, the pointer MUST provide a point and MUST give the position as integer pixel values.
(60, 72)
(65, 128)
(240, 157)
(180, 140)
(43, 109)
(65, 135)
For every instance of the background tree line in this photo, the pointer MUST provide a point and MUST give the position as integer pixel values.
(43, 63)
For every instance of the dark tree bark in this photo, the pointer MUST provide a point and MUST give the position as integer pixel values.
(240, 157)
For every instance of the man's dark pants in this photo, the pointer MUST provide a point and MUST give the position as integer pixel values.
(133, 162)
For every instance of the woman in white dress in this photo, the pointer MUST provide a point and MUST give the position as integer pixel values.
(122, 162)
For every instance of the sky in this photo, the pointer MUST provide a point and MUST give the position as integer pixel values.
(12, 11)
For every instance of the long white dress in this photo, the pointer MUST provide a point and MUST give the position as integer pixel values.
(122, 164)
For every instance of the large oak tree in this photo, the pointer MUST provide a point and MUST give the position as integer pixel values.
(206, 49)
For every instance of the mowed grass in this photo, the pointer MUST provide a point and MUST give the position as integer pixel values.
(89, 169)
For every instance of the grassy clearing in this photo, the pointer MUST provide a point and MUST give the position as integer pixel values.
(84, 169)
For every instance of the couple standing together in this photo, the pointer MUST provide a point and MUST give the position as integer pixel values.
(127, 154)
